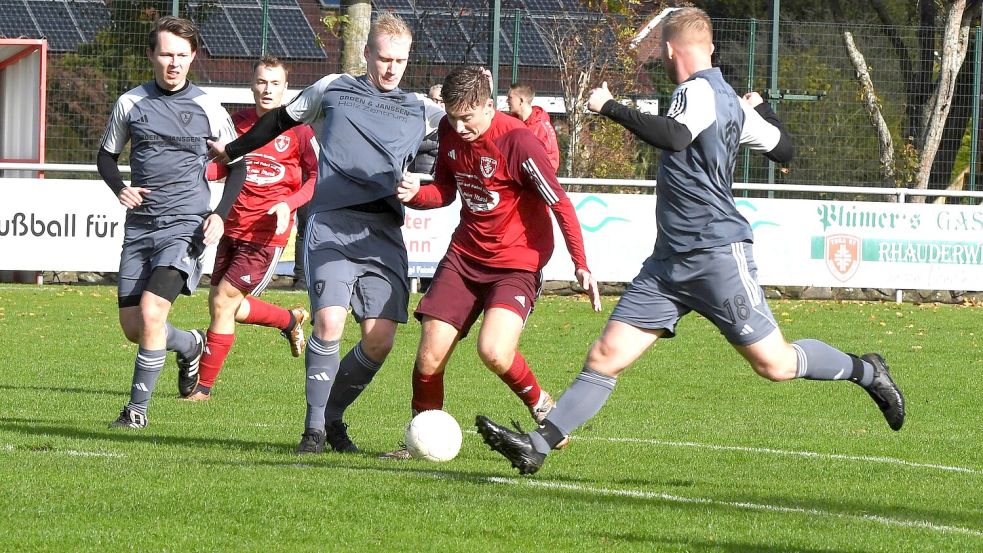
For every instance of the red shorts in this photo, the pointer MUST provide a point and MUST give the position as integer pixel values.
(462, 289)
(246, 265)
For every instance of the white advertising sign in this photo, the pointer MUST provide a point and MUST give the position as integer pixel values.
(77, 225)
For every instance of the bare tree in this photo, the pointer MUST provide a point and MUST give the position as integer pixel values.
(354, 34)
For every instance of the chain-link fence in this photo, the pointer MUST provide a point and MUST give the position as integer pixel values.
(98, 51)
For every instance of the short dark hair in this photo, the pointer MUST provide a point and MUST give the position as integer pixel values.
(177, 26)
(524, 90)
(465, 87)
(271, 61)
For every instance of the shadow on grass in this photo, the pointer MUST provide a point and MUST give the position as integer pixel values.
(36, 427)
(64, 390)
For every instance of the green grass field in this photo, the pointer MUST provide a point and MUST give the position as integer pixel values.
(692, 453)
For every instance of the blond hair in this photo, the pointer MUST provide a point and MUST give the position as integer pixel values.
(688, 25)
(388, 24)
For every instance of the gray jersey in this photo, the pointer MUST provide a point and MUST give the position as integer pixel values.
(367, 140)
(695, 207)
(168, 152)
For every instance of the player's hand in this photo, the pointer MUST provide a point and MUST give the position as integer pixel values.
(132, 196)
(282, 212)
(408, 187)
(598, 97)
(752, 98)
(587, 282)
(213, 229)
(216, 151)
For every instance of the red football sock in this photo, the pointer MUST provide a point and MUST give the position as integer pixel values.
(428, 391)
(520, 379)
(267, 314)
(217, 349)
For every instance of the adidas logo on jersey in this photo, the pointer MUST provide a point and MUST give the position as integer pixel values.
(246, 278)
(746, 330)
(452, 154)
(521, 300)
(143, 119)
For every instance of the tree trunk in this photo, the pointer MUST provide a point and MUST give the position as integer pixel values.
(956, 126)
(354, 34)
(954, 45)
(872, 105)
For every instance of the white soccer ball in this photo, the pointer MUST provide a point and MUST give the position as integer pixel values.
(433, 435)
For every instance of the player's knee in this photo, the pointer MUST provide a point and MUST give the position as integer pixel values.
(496, 357)
(776, 372)
(603, 358)
(377, 347)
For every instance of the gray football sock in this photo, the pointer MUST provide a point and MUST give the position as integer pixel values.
(820, 361)
(355, 372)
(321, 360)
(146, 370)
(181, 341)
(578, 404)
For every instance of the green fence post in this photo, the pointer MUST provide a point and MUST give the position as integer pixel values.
(773, 78)
(266, 26)
(752, 31)
(515, 45)
(496, 33)
(176, 8)
(974, 132)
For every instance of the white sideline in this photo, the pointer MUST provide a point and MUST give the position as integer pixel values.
(790, 453)
(637, 494)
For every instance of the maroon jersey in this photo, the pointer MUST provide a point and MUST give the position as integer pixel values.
(283, 170)
(507, 188)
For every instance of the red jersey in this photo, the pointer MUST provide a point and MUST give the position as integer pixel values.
(507, 190)
(283, 170)
(541, 126)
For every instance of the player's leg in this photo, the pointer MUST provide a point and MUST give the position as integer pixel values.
(648, 310)
(379, 298)
(735, 303)
(223, 300)
(508, 302)
(251, 271)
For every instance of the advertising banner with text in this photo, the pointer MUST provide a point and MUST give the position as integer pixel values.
(77, 225)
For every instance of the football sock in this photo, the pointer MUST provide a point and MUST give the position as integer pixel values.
(216, 350)
(520, 379)
(266, 314)
(355, 372)
(181, 341)
(581, 401)
(428, 391)
(322, 362)
(146, 370)
(817, 360)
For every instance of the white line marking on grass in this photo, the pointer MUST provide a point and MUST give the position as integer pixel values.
(793, 453)
(638, 494)
(786, 452)
(10, 448)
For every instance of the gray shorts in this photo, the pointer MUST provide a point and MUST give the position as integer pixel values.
(719, 283)
(357, 259)
(167, 241)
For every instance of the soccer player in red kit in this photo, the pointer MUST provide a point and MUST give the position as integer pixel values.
(280, 178)
(496, 255)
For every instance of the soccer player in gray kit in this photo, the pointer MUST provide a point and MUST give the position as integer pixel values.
(702, 259)
(355, 252)
(168, 221)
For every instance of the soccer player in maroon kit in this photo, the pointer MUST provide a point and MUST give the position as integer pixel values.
(496, 255)
(280, 178)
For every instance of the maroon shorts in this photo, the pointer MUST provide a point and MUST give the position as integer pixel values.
(246, 265)
(462, 289)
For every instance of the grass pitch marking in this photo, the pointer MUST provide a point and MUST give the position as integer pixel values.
(792, 453)
(764, 507)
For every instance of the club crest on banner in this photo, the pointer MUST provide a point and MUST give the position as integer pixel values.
(842, 255)
(488, 166)
(281, 143)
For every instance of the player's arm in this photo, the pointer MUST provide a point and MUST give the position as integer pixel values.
(527, 159)
(116, 136)
(438, 193)
(763, 131)
(284, 210)
(271, 125)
